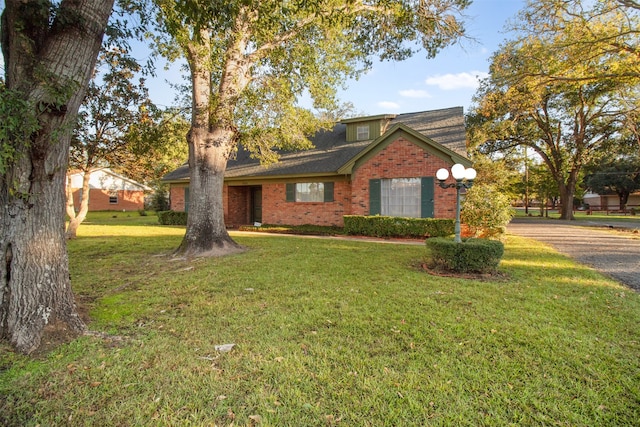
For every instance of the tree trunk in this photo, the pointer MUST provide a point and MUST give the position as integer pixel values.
(206, 233)
(623, 199)
(49, 63)
(210, 143)
(566, 202)
(75, 219)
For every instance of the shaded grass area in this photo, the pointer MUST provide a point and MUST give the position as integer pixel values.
(330, 332)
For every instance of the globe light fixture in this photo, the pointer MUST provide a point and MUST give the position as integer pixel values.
(464, 179)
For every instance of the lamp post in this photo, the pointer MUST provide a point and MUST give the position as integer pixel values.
(464, 179)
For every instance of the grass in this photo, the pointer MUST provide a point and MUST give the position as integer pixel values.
(329, 332)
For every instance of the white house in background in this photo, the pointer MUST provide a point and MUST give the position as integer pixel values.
(610, 201)
(108, 191)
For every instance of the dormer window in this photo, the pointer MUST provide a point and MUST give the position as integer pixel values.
(367, 128)
(362, 132)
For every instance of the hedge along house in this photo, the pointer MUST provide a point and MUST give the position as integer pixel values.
(376, 165)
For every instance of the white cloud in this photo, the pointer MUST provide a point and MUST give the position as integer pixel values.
(415, 93)
(388, 105)
(457, 81)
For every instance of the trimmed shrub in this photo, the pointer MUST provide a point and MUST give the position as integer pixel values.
(470, 256)
(172, 218)
(388, 226)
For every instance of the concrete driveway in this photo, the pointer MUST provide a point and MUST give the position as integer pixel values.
(594, 243)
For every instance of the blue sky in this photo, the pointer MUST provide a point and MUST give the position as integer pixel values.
(417, 84)
(448, 80)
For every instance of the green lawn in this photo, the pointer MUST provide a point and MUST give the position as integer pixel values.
(329, 332)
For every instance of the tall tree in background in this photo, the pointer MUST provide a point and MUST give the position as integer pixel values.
(619, 175)
(49, 49)
(115, 101)
(250, 61)
(566, 121)
(605, 29)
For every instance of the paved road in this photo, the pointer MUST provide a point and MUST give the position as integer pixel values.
(591, 243)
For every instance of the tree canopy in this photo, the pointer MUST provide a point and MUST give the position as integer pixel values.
(618, 175)
(567, 115)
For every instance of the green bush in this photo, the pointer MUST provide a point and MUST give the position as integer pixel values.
(172, 218)
(470, 256)
(486, 211)
(387, 226)
(159, 200)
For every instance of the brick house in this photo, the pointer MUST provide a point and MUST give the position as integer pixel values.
(108, 191)
(376, 165)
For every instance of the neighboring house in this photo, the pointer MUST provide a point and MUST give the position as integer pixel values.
(376, 165)
(108, 191)
(610, 201)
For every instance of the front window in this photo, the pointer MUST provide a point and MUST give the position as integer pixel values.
(310, 192)
(400, 197)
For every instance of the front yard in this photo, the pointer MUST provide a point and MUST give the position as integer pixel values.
(329, 332)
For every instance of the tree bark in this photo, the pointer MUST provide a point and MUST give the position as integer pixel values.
(49, 61)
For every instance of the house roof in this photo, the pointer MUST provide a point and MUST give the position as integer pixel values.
(99, 181)
(440, 131)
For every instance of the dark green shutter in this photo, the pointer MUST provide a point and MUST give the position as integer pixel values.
(186, 199)
(426, 197)
(375, 191)
(291, 192)
(328, 191)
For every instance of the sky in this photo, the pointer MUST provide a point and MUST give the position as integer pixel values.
(448, 80)
(416, 84)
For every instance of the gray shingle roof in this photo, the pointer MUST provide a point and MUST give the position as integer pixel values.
(445, 126)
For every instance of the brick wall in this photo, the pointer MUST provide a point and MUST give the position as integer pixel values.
(237, 206)
(276, 210)
(176, 197)
(99, 200)
(402, 159)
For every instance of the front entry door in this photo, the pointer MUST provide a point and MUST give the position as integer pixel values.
(256, 204)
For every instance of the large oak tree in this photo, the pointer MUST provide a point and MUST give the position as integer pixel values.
(250, 62)
(49, 49)
(568, 115)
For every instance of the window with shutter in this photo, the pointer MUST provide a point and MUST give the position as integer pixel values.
(309, 192)
(402, 197)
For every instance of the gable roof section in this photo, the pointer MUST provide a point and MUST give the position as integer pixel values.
(440, 132)
(401, 129)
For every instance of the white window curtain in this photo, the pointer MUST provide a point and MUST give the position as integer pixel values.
(310, 192)
(400, 197)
